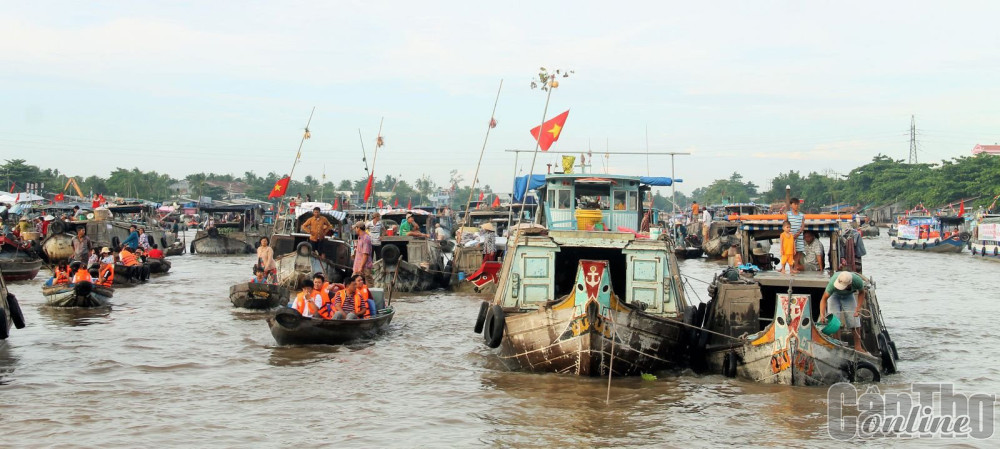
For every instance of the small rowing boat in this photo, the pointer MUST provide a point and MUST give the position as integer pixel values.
(252, 295)
(81, 294)
(290, 328)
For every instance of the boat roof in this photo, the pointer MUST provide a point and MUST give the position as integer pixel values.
(818, 225)
(810, 279)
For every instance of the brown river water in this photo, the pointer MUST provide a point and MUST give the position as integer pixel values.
(173, 364)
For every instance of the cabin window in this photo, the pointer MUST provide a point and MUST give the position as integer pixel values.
(621, 197)
(633, 201)
(590, 196)
(536, 281)
(562, 199)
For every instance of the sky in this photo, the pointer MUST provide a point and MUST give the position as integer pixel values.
(756, 87)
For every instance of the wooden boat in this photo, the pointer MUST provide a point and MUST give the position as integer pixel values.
(158, 266)
(236, 237)
(722, 231)
(936, 234)
(83, 294)
(482, 281)
(985, 241)
(10, 310)
(763, 326)
(689, 248)
(290, 328)
(18, 259)
(128, 276)
(110, 226)
(869, 231)
(294, 256)
(584, 302)
(410, 264)
(252, 295)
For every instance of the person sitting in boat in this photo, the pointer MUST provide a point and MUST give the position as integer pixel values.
(439, 233)
(734, 256)
(409, 227)
(154, 252)
(258, 276)
(61, 275)
(132, 241)
(352, 301)
(317, 225)
(93, 259)
(845, 297)
(127, 257)
(814, 255)
(106, 275)
(80, 273)
(265, 259)
(306, 301)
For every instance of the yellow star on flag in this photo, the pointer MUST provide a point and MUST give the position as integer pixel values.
(555, 131)
(277, 187)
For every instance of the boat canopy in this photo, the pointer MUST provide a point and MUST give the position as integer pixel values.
(225, 209)
(519, 182)
(658, 181)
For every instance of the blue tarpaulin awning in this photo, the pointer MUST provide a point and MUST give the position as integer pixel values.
(657, 181)
(536, 182)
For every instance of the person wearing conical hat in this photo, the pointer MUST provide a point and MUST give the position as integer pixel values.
(489, 242)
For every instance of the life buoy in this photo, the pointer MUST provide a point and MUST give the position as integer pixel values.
(494, 324)
(965, 236)
(15, 311)
(390, 254)
(304, 249)
(57, 227)
(481, 318)
(867, 366)
(729, 364)
(892, 243)
(4, 332)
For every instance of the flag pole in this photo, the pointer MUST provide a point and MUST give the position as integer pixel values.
(298, 154)
(475, 178)
(534, 156)
(371, 175)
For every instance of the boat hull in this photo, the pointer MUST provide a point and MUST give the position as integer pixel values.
(127, 276)
(295, 267)
(20, 269)
(250, 295)
(991, 252)
(158, 266)
(622, 342)
(403, 276)
(950, 245)
(290, 328)
(219, 245)
(72, 295)
(688, 253)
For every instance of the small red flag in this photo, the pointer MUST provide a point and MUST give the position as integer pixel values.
(496, 201)
(493, 123)
(12, 186)
(368, 188)
(551, 130)
(336, 204)
(279, 188)
(59, 197)
(409, 204)
(95, 204)
(961, 209)
(380, 204)
(395, 203)
(481, 196)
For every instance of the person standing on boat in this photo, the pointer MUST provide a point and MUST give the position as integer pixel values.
(363, 252)
(375, 232)
(81, 245)
(265, 259)
(317, 226)
(796, 219)
(845, 297)
(143, 239)
(132, 241)
(694, 210)
(489, 243)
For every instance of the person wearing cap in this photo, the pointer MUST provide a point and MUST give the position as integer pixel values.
(307, 302)
(106, 256)
(22, 226)
(489, 245)
(317, 226)
(845, 297)
(362, 252)
(81, 245)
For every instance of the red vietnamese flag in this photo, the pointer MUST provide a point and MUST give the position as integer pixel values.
(336, 204)
(496, 201)
(961, 209)
(12, 186)
(395, 203)
(59, 197)
(279, 188)
(380, 204)
(409, 204)
(368, 188)
(551, 131)
(481, 196)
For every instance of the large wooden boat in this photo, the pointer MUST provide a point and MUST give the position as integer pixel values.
(410, 264)
(985, 241)
(83, 294)
(293, 254)
(18, 259)
(763, 326)
(10, 311)
(252, 295)
(290, 328)
(110, 226)
(936, 234)
(577, 301)
(722, 231)
(240, 235)
(688, 247)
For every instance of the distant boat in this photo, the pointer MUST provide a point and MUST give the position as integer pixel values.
(985, 241)
(936, 234)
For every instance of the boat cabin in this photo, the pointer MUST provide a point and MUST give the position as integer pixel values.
(288, 234)
(585, 202)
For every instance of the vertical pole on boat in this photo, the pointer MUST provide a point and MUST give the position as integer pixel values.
(378, 140)
(517, 155)
(534, 154)
(298, 155)
(647, 156)
(475, 177)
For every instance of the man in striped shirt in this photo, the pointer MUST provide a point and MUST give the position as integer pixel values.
(796, 219)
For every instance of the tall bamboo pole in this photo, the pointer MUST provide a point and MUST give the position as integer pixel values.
(475, 178)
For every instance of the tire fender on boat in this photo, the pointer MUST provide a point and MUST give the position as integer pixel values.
(481, 318)
(924, 246)
(885, 352)
(57, 227)
(973, 251)
(15, 311)
(729, 364)
(995, 251)
(303, 249)
(390, 254)
(4, 332)
(493, 332)
(892, 243)
(866, 365)
(163, 242)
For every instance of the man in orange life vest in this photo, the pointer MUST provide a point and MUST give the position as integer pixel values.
(307, 302)
(80, 273)
(352, 301)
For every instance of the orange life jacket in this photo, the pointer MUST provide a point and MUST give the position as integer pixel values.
(327, 307)
(82, 275)
(107, 273)
(62, 277)
(128, 258)
(360, 302)
(305, 306)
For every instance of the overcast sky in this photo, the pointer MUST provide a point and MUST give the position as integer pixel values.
(757, 87)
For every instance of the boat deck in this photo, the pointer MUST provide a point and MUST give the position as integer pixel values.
(812, 279)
